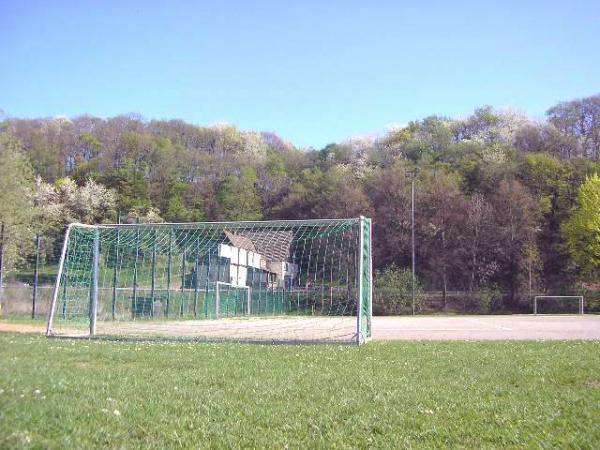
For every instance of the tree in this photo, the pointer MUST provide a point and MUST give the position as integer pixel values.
(64, 202)
(349, 198)
(229, 141)
(274, 182)
(131, 185)
(303, 195)
(389, 193)
(435, 132)
(582, 231)
(478, 243)
(440, 220)
(481, 126)
(549, 181)
(17, 214)
(495, 191)
(393, 146)
(514, 231)
(84, 161)
(340, 195)
(238, 198)
(580, 119)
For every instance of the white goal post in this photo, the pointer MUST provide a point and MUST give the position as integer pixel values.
(219, 284)
(546, 297)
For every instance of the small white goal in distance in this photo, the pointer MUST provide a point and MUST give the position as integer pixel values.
(220, 286)
(539, 298)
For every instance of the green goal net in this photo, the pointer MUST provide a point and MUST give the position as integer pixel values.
(266, 281)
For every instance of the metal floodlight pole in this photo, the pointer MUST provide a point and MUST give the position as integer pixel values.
(1, 262)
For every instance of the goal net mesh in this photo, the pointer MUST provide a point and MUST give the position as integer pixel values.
(263, 281)
(561, 304)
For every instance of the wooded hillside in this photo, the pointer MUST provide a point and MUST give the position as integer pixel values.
(499, 200)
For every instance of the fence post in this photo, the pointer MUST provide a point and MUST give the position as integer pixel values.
(196, 278)
(135, 270)
(94, 291)
(169, 268)
(217, 300)
(115, 279)
(35, 275)
(153, 274)
(181, 309)
(206, 286)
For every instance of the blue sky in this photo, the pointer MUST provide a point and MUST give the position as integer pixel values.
(314, 72)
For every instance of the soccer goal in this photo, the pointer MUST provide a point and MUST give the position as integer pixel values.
(558, 304)
(274, 281)
(231, 299)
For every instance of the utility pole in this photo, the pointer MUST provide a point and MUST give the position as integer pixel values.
(412, 216)
(1, 263)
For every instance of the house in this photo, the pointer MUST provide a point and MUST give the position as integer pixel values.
(266, 253)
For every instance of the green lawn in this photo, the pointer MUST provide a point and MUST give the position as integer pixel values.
(79, 394)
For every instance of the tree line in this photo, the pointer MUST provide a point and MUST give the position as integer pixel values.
(504, 203)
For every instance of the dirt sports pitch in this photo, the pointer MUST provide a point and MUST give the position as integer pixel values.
(496, 327)
(513, 327)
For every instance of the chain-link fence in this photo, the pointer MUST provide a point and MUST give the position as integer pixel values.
(19, 301)
(28, 293)
(389, 301)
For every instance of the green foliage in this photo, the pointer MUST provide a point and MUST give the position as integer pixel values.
(515, 225)
(525, 173)
(86, 159)
(393, 290)
(582, 231)
(548, 179)
(238, 197)
(490, 299)
(17, 213)
(276, 165)
(177, 207)
(131, 184)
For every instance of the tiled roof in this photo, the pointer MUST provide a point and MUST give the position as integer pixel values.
(273, 245)
(239, 241)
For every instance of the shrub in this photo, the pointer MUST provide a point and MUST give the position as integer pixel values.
(393, 291)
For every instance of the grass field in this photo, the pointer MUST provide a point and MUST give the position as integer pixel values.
(65, 394)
